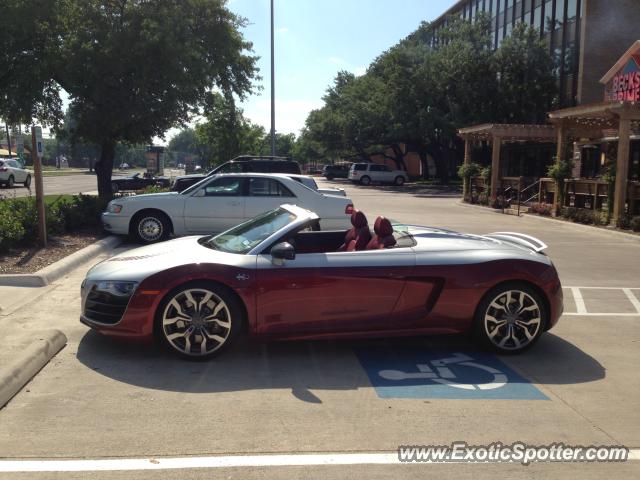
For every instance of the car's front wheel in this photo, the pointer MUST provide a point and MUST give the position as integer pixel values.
(199, 320)
(365, 180)
(399, 180)
(150, 227)
(330, 177)
(511, 318)
(27, 182)
(10, 182)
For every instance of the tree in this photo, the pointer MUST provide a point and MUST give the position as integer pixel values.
(28, 35)
(134, 69)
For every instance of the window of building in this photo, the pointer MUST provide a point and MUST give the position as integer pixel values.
(537, 17)
(559, 18)
(572, 11)
(547, 25)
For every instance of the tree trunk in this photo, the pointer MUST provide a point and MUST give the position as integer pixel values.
(104, 168)
(399, 157)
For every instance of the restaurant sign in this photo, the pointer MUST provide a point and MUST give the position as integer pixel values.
(622, 83)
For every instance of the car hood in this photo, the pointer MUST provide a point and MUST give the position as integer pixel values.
(146, 197)
(139, 263)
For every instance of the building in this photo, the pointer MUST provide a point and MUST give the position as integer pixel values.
(583, 35)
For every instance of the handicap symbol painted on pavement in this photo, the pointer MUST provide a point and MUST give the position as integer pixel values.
(428, 373)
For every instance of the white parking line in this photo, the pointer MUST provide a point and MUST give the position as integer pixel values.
(577, 296)
(229, 461)
(632, 298)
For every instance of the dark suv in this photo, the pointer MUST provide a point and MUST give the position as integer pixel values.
(242, 164)
(335, 171)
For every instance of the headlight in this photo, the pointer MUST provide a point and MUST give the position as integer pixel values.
(114, 208)
(120, 289)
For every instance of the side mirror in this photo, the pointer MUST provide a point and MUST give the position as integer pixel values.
(281, 252)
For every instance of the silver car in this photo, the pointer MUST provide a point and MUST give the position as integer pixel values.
(12, 172)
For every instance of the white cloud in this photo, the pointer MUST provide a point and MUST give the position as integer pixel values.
(282, 30)
(360, 70)
(337, 61)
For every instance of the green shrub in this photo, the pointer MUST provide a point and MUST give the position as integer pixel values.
(155, 189)
(11, 229)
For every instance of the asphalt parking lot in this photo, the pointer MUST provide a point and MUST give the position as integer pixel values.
(100, 399)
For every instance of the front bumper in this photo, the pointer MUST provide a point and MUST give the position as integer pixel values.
(116, 223)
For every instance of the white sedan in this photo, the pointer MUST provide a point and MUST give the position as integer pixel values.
(218, 203)
(12, 172)
(311, 183)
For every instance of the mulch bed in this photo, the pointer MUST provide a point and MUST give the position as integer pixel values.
(33, 258)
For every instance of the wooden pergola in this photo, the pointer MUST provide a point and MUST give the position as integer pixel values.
(497, 134)
(590, 121)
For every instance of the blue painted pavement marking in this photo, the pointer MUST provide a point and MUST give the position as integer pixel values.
(434, 373)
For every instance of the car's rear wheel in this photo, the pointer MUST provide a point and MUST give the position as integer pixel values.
(199, 320)
(10, 182)
(511, 318)
(399, 180)
(115, 188)
(330, 177)
(150, 227)
(365, 180)
(27, 182)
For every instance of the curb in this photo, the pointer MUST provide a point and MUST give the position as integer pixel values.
(630, 236)
(53, 272)
(17, 374)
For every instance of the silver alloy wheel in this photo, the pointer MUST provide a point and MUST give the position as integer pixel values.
(365, 180)
(512, 320)
(196, 322)
(150, 229)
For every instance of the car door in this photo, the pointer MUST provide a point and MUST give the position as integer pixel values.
(217, 206)
(331, 292)
(19, 174)
(265, 194)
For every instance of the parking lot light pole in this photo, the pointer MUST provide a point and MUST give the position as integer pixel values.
(273, 91)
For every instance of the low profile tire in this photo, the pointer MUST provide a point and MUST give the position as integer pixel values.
(511, 318)
(399, 180)
(115, 188)
(27, 182)
(10, 182)
(199, 320)
(365, 180)
(150, 227)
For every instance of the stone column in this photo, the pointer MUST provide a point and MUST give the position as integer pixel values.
(495, 167)
(622, 169)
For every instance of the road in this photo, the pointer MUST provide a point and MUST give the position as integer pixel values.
(67, 184)
(100, 399)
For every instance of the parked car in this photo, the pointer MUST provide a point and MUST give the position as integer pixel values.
(335, 171)
(216, 204)
(12, 172)
(311, 183)
(278, 276)
(242, 164)
(365, 173)
(124, 166)
(137, 182)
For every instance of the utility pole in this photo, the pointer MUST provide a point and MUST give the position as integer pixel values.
(273, 92)
(36, 151)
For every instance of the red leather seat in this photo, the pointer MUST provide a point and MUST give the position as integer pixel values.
(358, 236)
(384, 235)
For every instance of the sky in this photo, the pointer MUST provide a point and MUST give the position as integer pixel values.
(314, 40)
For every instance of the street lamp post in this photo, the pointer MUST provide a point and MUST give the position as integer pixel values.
(273, 92)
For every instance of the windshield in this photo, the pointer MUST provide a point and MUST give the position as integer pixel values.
(244, 237)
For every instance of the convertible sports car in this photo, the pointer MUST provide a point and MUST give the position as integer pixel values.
(137, 182)
(278, 276)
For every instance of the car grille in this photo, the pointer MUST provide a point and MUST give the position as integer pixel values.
(104, 307)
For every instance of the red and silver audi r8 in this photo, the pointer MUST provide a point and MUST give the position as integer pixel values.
(278, 276)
